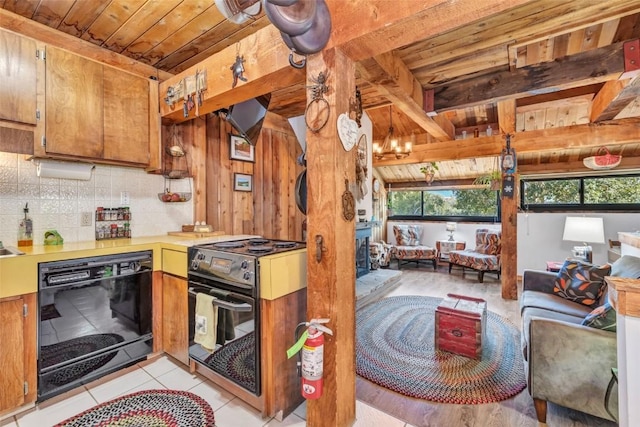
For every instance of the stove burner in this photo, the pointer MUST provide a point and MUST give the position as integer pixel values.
(258, 242)
(260, 249)
(281, 245)
(228, 245)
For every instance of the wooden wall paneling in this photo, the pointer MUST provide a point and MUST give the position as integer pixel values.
(280, 180)
(197, 164)
(267, 185)
(212, 167)
(117, 12)
(258, 183)
(226, 180)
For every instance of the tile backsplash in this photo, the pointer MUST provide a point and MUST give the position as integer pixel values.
(57, 204)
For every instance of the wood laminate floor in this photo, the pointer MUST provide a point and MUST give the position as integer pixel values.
(517, 411)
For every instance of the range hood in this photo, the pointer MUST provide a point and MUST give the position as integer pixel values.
(247, 117)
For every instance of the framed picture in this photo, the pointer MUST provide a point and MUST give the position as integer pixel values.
(242, 182)
(240, 149)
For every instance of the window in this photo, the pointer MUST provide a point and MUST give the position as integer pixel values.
(460, 205)
(586, 193)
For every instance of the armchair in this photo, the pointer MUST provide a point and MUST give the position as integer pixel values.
(408, 247)
(485, 257)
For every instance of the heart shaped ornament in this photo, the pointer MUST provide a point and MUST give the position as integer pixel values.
(347, 131)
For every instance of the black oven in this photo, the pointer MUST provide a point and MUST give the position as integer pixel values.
(229, 271)
(236, 355)
(94, 318)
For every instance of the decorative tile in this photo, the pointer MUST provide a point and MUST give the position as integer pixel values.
(8, 175)
(68, 192)
(50, 191)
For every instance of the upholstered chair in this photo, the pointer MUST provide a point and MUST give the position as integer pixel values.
(408, 247)
(485, 257)
(380, 254)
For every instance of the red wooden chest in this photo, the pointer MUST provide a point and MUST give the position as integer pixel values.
(460, 325)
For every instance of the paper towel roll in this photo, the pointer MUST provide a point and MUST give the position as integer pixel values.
(65, 170)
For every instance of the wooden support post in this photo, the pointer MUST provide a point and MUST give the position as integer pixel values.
(509, 211)
(331, 281)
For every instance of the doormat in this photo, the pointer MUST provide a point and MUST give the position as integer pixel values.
(237, 361)
(51, 355)
(395, 349)
(48, 312)
(151, 408)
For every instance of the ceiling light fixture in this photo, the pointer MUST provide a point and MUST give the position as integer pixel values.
(391, 147)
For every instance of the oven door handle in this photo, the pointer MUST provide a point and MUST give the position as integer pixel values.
(226, 304)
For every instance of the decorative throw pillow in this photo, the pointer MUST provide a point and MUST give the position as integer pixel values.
(407, 235)
(603, 317)
(581, 282)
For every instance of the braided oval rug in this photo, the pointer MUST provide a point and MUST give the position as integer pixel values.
(148, 408)
(395, 349)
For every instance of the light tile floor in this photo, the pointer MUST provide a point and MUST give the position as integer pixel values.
(164, 373)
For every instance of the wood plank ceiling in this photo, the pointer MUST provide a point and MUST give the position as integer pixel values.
(515, 55)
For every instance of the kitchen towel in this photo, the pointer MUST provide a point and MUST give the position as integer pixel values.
(206, 322)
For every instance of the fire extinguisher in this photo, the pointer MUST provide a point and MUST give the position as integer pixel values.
(311, 361)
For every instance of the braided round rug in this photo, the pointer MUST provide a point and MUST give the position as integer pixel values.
(395, 349)
(148, 408)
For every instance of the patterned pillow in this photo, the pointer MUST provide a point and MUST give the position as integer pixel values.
(407, 235)
(603, 317)
(581, 282)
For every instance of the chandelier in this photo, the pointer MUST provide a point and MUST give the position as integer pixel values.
(390, 146)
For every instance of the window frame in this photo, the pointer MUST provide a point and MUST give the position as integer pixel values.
(453, 218)
(581, 206)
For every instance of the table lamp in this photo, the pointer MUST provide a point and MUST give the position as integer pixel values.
(586, 230)
(451, 227)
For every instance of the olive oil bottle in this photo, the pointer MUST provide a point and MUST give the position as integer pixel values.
(25, 229)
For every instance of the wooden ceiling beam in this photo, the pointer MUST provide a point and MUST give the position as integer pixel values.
(626, 164)
(614, 96)
(394, 80)
(267, 69)
(593, 66)
(553, 139)
(382, 26)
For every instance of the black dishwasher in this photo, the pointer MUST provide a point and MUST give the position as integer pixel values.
(94, 317)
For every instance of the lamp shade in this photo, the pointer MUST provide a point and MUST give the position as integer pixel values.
(451, 226)
(583, 229)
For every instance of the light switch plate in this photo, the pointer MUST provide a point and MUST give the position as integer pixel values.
(124, 198)
(85, 219)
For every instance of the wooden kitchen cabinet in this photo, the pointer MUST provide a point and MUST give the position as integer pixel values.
(74, 105)
(18, 93)
(126, 117)
(18, 351)
(175, 317)
(18, 73)
(97, 112)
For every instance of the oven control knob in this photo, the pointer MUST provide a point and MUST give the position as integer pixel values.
(194, 264)
(200, 255)
(246, 275)
(244, 265)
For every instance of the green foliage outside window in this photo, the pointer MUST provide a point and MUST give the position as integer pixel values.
(612, 190)
(473, 202)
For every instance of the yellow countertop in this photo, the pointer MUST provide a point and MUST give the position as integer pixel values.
(19, 274)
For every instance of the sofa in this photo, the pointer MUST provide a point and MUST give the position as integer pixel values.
(568, 336)
(484, 257)
(408, 247)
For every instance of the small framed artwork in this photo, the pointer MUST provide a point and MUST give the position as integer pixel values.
(240, 149)
(242, 182)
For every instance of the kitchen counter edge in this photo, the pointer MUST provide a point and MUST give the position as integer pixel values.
(19, 274)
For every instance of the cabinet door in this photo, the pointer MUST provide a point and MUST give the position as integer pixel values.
(12, 354)
(74, 107)
(175, 321)
(17, 78)
(126, 117)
